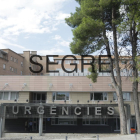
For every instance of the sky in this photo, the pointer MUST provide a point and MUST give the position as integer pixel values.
(36, 25)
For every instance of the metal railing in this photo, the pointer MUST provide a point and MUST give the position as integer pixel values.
(97, 136)
(37, 101)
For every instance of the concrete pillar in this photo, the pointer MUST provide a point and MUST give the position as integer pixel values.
(2, 120)
(40, 124)
(0, 127)
(3, 124)
(128, 115)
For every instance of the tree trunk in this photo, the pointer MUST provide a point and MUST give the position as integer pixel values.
(135, 74)
(116, 82)
(136, 103)
(118, 86)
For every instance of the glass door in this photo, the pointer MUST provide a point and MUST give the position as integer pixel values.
(44, 124)
(117, 124)
(35, 124)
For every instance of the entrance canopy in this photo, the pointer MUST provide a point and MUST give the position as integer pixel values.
(29, 110)
(43, 110)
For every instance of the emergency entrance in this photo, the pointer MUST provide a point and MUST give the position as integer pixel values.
(60, 118)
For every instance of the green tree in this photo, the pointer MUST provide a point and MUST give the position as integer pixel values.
(130, 28)
(90, 24)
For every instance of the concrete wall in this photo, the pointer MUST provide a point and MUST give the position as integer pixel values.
(23, 96)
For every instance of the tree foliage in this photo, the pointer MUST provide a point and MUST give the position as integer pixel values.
(93, 76)
(88, 22)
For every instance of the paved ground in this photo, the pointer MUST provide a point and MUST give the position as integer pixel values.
(27, 136)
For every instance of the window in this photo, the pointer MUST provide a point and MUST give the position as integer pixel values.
(4, 66)
(12, 69)
(22, 64)
(6, 96)
(14, 95)
(60, 96)
(130, 62)
(68, 69)
(124, 62)
(95, 121)
(85, 61)
(126, 96)
(21, 72)
(63, 121)
(115, 96)
(85, 70)
(102, 61)
(38, 97)
(15, 60)
(60, 70)
(58, 61)
(3, 55)
(76, 61)
(9, 95)
(98, 96)
(67, 61)
(1, 95)
(11, 58)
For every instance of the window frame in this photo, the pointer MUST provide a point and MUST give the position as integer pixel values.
(85, 70)
(17, 95)
(67, 61)
(89, 121)
(90, 61)
(4, 66)
(15, 60)
(54, 94)
(115, 94)
(59, 69)
(123, 61)
(60, 119)
(76, 61)
(92, 94)
(9, 95)
(21, 64)
(85, 61)
(59, 61)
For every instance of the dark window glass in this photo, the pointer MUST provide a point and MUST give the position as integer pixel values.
(94, 121)
(67, 96)
(53, 97)
(1, 95)
(98, 96)
(91, 96)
